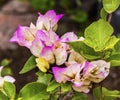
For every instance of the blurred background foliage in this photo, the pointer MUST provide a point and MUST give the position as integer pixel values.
(79, 13)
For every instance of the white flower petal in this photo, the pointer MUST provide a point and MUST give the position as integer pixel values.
(1, 81)
(9, 79)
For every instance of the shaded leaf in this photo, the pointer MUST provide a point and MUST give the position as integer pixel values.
(107, 94)
(84, 50)
(34, 91)
(114, 59)
(9, 89)
(80, 96)
(29, 65)
(3, 96)
(103, 14)
(66, 87)
(44, 77)
(53, 85)
(6, 71)
(5, 62)
(117, 46)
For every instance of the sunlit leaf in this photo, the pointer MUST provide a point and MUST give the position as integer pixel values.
(111, 42)
(110, 5)
(97, 34)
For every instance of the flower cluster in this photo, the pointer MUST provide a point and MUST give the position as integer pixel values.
(82, 75)
(51, 49)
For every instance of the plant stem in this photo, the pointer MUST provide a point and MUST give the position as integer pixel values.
(101, 96)
(60, 93)
(109, 17)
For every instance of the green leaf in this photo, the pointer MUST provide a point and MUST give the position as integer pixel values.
(54, 96)
(34, 91)
(103, 14)
(29, 65)
(114, 59)
(52, 85)
(66, 87)
(111, 42)
(5, 62)
(107, 94)
(6, 71)
(3, 96)
(97, 34)
(117, 46)
(84, 50)
(96, 93)
(110, 5)
(9, 89)
(44, 77)
(80, 96)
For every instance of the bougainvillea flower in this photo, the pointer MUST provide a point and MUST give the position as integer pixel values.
(47, 54)
(85, 86)
(42, 64)
(5, 78)
(50, 46)
(75, 57)
(61, 49)
(70, 73)
(60, 52)
(23, 36)
(96, 71)
(48, 20)
(69, 37)
(36, 47)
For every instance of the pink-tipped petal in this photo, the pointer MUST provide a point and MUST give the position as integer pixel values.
(23, 36)
(59, 74)
(51, 15)
(36, 46)
(96, 71)
(68, 37)
(60, 54)
(75, 57)
(48, 54)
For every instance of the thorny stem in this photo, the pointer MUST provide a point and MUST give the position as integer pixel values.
(60, 93)
(109, 17)
(101, 96)
(68, 95)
